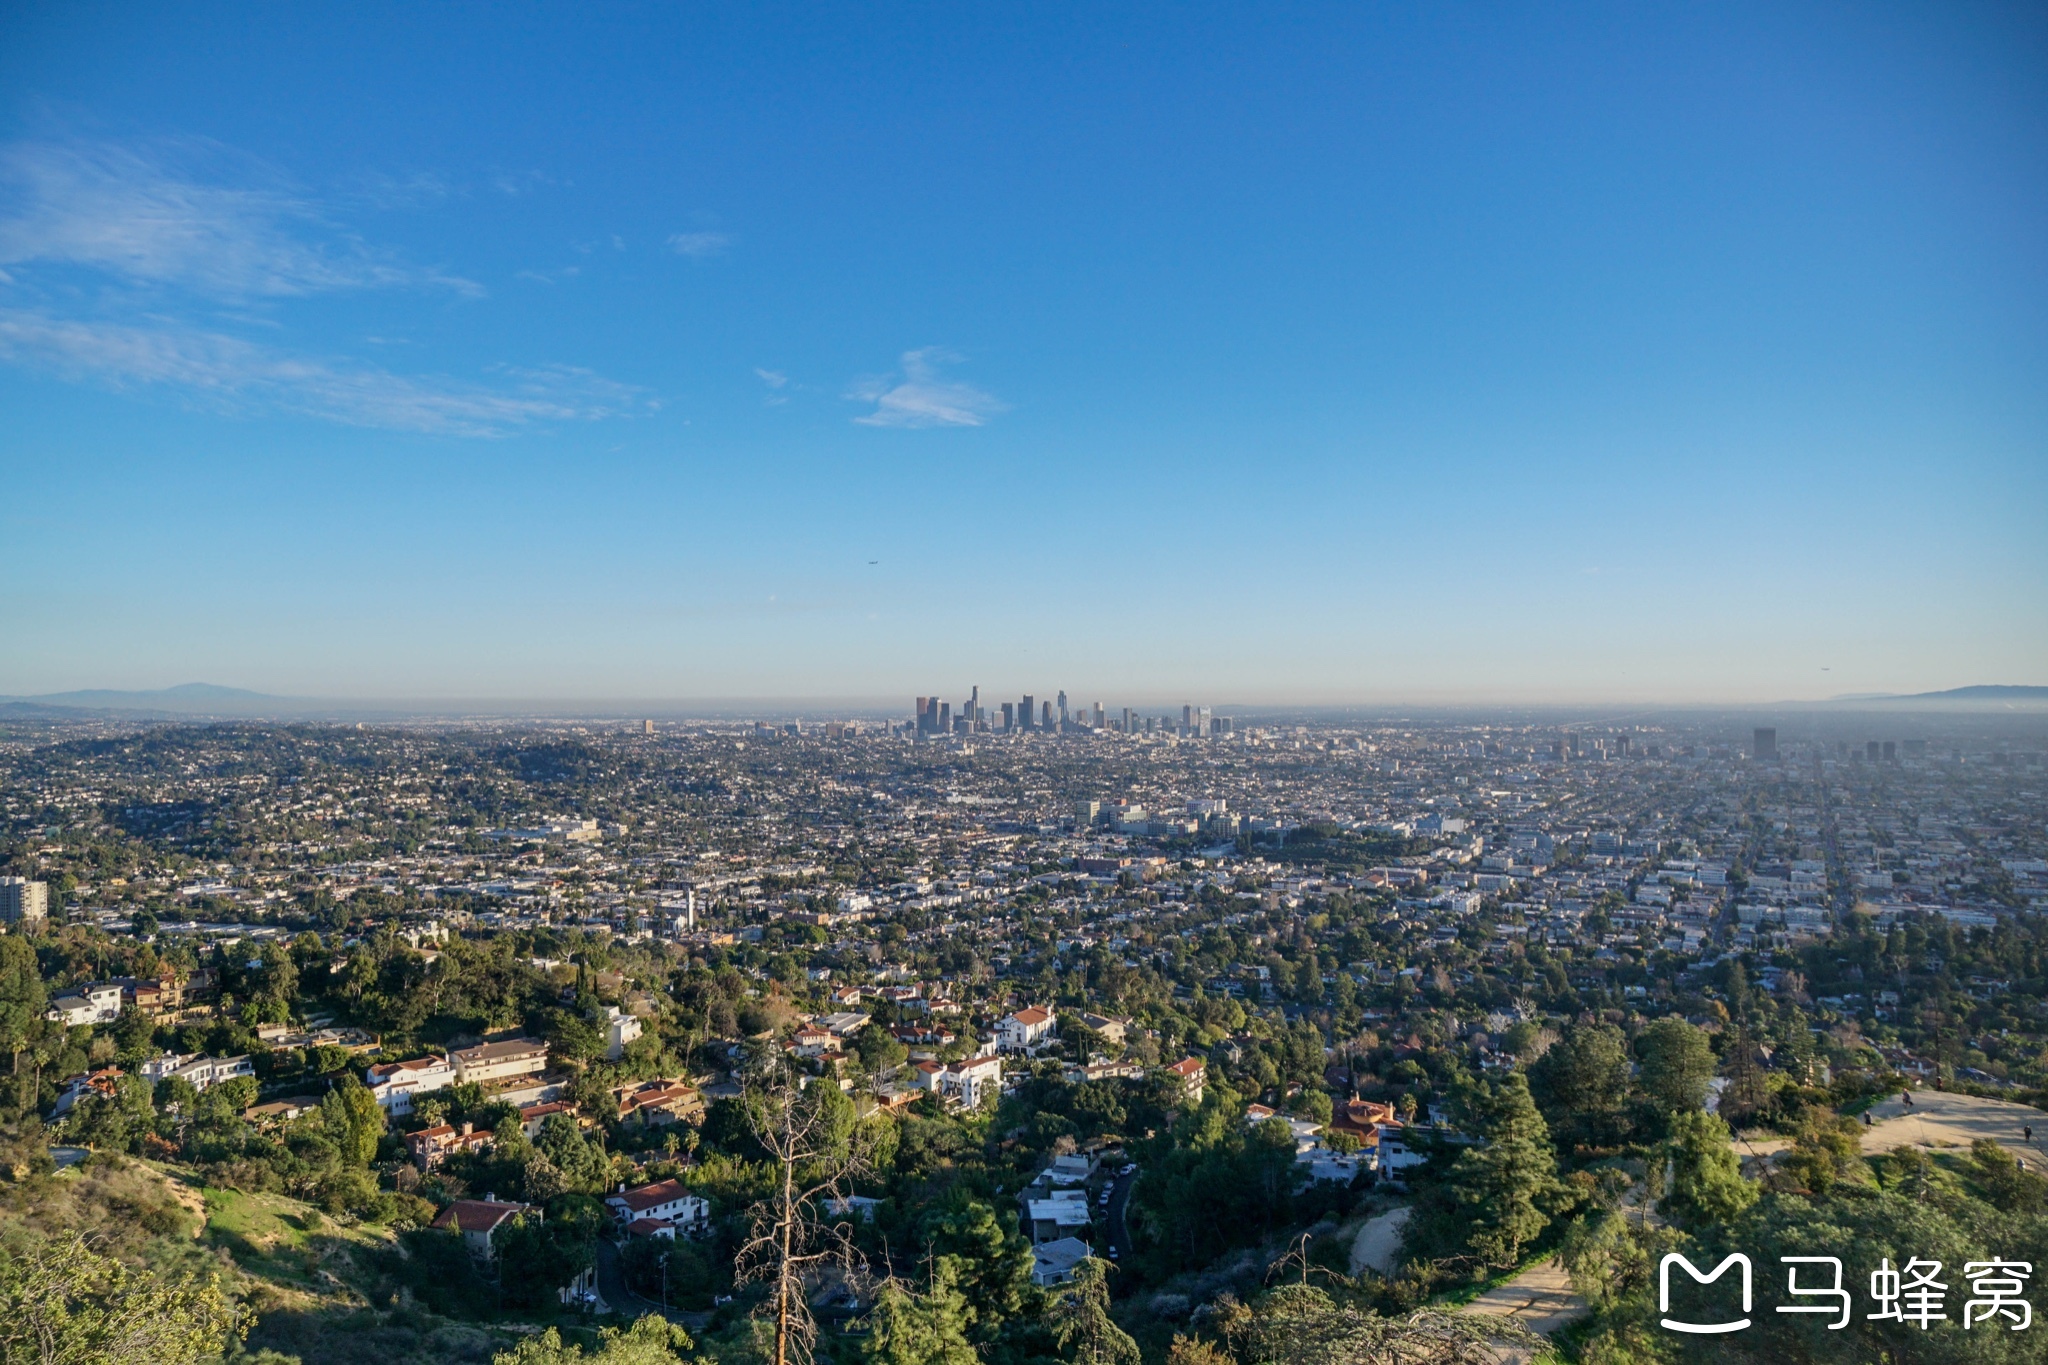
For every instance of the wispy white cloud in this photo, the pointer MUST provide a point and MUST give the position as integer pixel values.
(919, 397)
(774, 379)
(163, 233)
(230, 374)
(381, 191)
(146, 217)
(698, 244)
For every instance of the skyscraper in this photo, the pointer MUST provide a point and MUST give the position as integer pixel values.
(1063, 708)
(1045, 718)
(1024, 712)
(1764, 743)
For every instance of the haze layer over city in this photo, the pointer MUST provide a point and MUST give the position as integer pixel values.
(1058, 686)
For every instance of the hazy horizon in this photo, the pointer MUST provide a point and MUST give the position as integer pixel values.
(230, 701)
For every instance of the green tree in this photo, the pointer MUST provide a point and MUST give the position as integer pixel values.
(1301, 1325)
(1315, 1105)
(1581, 1084)
(116, 1122)
(908, 1328)
(991, 1267)
(650, 1341)
(1080, 1320)
(1706, 1178)
(878, 1049)
(22, 996)
(176, 1095)
(63, 1303)
(1677, 1064)
(360, 1120)
(539, 1257)
(1506, 1185)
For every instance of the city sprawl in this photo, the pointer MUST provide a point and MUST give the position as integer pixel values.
(988, 1029)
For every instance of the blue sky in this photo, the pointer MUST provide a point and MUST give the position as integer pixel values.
(1205, 353)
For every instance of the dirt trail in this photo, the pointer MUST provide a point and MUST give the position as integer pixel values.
(1378, 1247)
(1941, 1119)
(1540, 1299)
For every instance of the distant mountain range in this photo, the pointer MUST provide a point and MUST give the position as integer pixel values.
(1981, 692)
(187, 699)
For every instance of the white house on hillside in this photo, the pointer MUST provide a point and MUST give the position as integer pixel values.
(1025, 1030)
(395, 1083)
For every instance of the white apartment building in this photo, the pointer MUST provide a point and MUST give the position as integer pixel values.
(396, 1083)
(201, 1072)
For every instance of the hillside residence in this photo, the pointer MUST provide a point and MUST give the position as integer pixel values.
(479, 1220)
(1193, 1074)
(665, 1202)
(620, 1028)
(201, 1073)
(1059, 1214)
(505, 1060)
(1055, 1262)
(967, 1083)
(89, 1004)
(1025, 1030)
(396, 1083)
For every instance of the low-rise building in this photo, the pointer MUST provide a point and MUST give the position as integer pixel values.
(429, 1145)
(95, 1003)
(620, 1029)
(666, 1201)
(1056, 1261)
(1025, 1030)
(479, 1220)
(654, 1103)
(395, 1084)
(1109, 1026)
(202, 1073)
(968, 1083)
(506, 1060)
(1061, 1213)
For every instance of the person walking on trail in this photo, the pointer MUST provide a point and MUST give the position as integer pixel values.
(2027, 1130)
(1906, 1098)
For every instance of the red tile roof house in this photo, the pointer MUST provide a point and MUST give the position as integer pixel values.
(532, 1116)
(664, 1201)
(659, 1102)
(429, 1145)
(478, 1220)
(1025, 1030)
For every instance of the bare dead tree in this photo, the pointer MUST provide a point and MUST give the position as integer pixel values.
(791, 1235)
